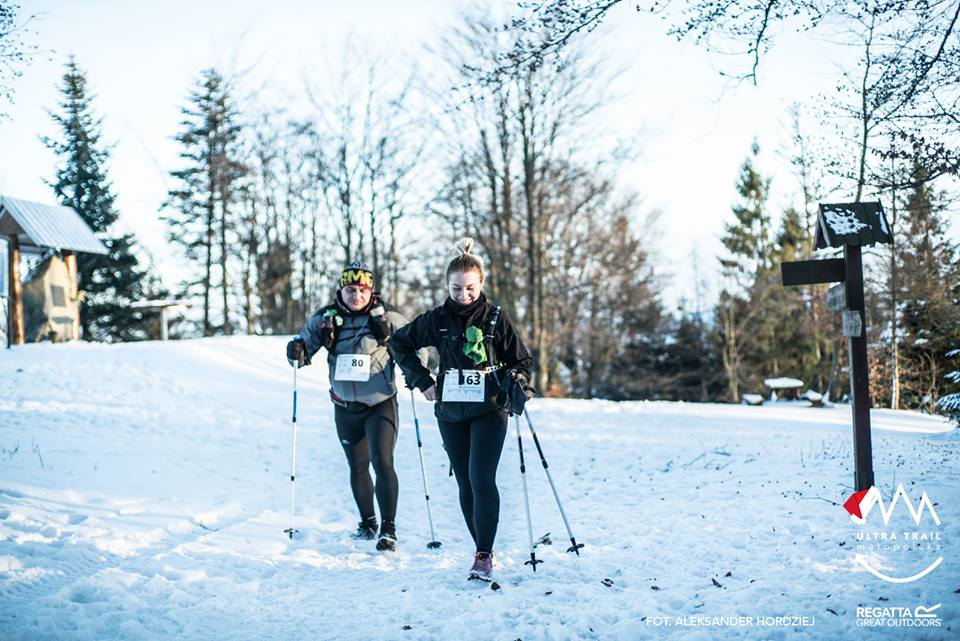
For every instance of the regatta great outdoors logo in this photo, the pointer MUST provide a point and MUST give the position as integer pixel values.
(906, 545)
(899, 617)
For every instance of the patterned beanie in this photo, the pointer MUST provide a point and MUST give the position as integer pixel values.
(357, 273)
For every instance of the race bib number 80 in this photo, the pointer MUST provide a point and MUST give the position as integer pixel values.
(353, 367)
(463, 386)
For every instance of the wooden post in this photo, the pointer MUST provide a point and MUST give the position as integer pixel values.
(851, 226)
(163, 324)
(859, 374)
(16, 301)
(70, 260)
(5, 301)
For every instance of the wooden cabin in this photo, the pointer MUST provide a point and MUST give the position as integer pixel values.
(50, 300)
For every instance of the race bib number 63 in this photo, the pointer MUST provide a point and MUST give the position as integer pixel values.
(463, 386)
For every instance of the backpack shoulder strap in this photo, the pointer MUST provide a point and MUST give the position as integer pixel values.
(491, 326)
(492, 322)
(323, 309)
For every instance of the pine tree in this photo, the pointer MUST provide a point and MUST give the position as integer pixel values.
(949, 405)
(203, 203)
(110, 282)
(792, 238)
(930, 295)
(688, 365)
(742, 337)
(790, 347)
(747, 239)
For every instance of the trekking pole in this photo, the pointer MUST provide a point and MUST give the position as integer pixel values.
(574, 547)
(526, 499)
(434, 543)
(293, 456)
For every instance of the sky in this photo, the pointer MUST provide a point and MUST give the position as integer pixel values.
(692, 127)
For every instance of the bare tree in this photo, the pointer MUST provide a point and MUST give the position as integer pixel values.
(364, 151)
(909, 75)
(292, 254)
(542, 210)
(16, 52)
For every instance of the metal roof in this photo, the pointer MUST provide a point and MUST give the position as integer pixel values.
(40, 227)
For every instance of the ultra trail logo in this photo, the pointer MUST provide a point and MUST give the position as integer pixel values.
(861, 504)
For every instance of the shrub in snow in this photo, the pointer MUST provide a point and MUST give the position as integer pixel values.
(949, 405)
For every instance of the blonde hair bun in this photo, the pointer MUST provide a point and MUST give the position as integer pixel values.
(466, 261)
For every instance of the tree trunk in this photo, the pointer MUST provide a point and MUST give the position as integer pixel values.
(592, 344)
(818, 352)
(307, 269)
(252, 247)
(224, 259)
(534, 306)
(345, 204)
(374, 251)
(394, 262)
(731, 352)
(865, 113)
(894, 329)
(208, 266)
(834, 370)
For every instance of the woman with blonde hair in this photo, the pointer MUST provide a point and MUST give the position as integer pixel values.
(484, 373)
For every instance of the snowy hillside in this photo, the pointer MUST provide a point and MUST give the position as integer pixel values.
(144, 490)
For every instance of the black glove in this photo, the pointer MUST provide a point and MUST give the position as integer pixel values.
(297, 354)
(378, 320)
(328, 328)
(514, 392)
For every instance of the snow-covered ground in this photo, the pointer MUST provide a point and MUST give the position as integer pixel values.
(144, 493)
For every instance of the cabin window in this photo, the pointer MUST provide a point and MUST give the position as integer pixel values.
(56, 292)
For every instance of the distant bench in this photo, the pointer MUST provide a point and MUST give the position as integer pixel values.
(815, 398)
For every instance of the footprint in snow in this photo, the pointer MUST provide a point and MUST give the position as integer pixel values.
(87, 594)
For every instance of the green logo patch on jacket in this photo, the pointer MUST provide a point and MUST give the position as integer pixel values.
(473, 346)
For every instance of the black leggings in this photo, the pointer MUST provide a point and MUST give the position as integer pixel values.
(370, 435)
(474, 448)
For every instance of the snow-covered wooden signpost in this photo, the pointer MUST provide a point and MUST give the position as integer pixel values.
(850, 226)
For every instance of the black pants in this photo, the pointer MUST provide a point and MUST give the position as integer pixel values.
(474, 448)
(370, 435)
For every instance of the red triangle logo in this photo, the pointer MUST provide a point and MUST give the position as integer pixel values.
(853, 503)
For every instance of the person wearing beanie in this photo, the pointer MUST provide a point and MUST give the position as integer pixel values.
(483, 376)
(355, 328)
